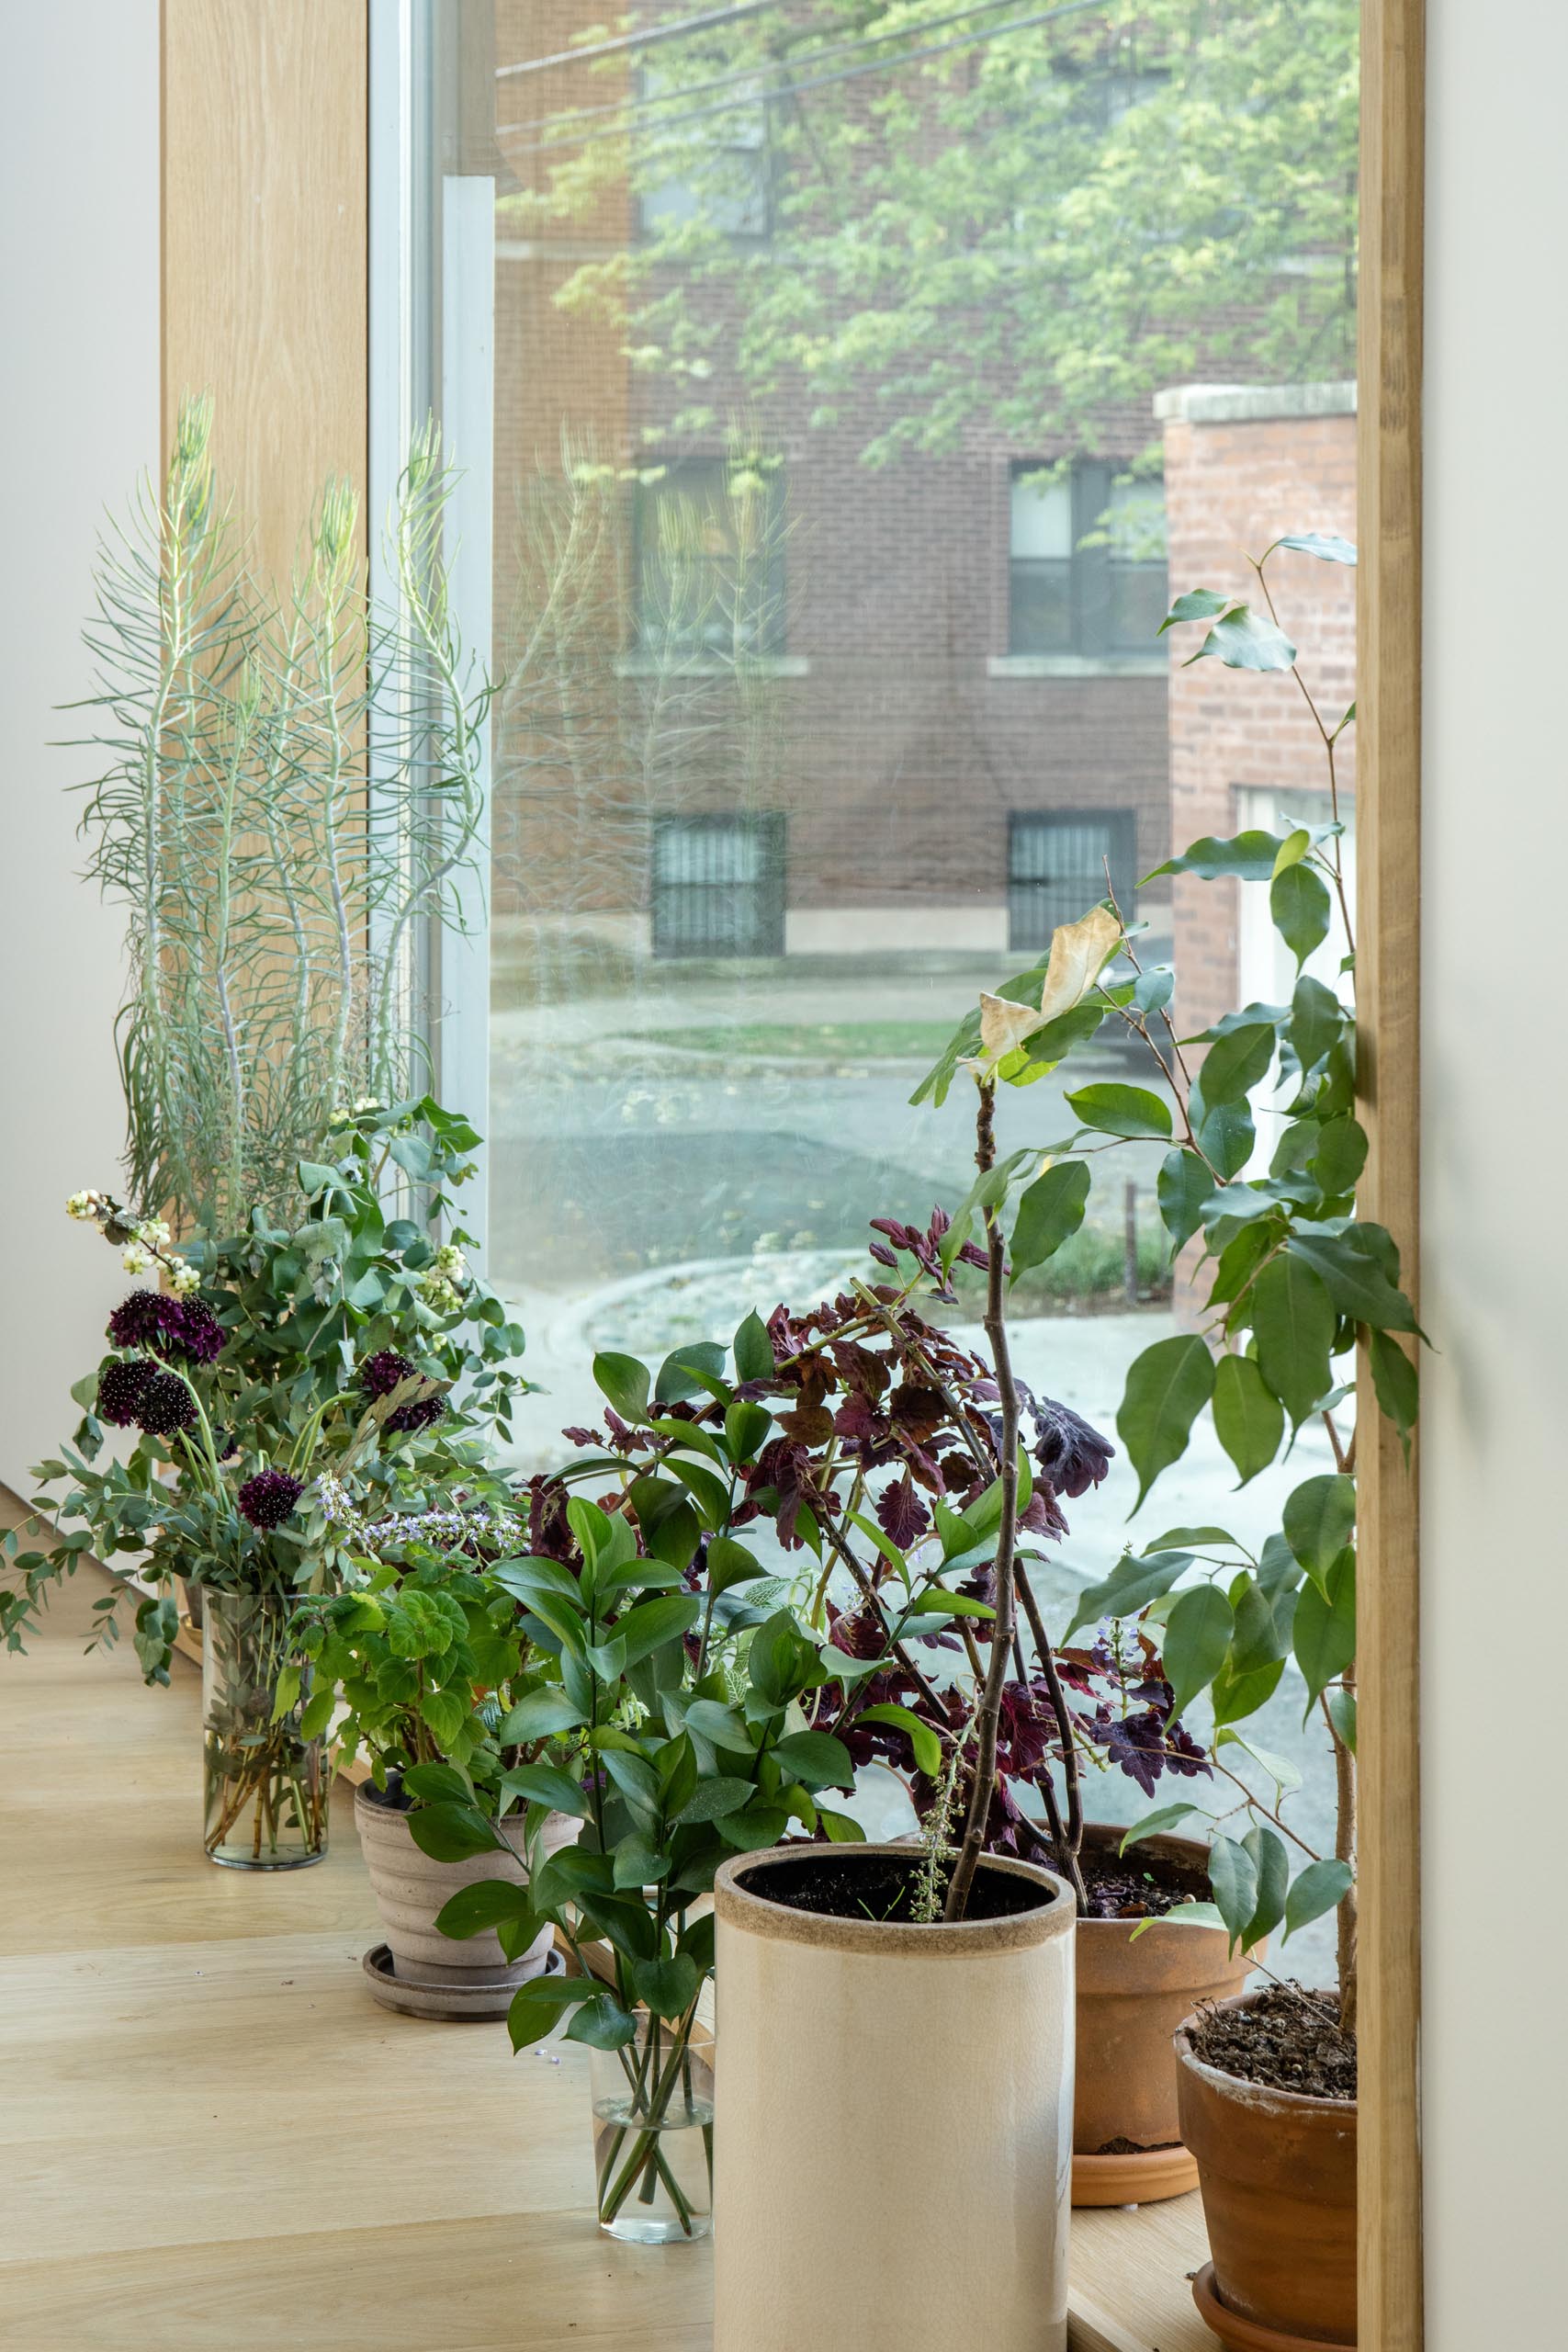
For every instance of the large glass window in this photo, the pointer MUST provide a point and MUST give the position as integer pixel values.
(831, 378)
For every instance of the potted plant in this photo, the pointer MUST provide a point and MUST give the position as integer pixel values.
(1295, 1281)
(690, 1722)
(431, 1660)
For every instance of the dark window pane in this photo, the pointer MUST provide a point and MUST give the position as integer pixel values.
(718, 886)
(1057, 869)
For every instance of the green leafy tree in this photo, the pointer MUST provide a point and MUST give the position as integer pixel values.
(925, 217)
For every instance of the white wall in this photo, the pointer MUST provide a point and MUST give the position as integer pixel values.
(1495, 1153)
(78, 419)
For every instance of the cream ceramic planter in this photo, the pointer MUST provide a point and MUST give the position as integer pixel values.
(894, 2121)
(409, 1889)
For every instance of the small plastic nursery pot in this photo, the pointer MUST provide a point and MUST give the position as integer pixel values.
(409, 1889)
(1278, 2173)
(1136, 1982)
(892, 2132)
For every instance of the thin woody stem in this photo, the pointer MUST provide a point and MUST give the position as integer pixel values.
(988, 1712)
(1070, 1844)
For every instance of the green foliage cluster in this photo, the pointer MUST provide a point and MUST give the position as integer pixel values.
(916, 220)
(1295, 1281)
(295, 783)
(303, 1303)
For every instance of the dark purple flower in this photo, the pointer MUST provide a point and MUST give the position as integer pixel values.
(383, 1371)
(1073, 1456)
(142, 1319)
(121, 1387)
(196, 1331)
(268, 1498)
(172, 1327)
(166, 1406)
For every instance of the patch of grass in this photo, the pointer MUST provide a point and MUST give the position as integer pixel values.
(805, 1040)
(1087, 1275)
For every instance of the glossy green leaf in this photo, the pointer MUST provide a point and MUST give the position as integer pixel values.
(1355, 1280)
(1243, 639)
(1323, 1635)
(1184, 1184)
(1130, 1110)
(546, 1784)
(1165, 1817)
(450, 1833)
(1396, 1382)
(1325, 545)
(1295, 1322)
(1227, 1134)
(1319, 1520)
(1340, 1155)
(1235, 1063)
(603, 2025)
(694, 1370)
(1133, 1583)
(623, 1382)
(1233, 1876)
(753, 1350)
(538, 1716)
(484, 1905)
(924, 1742)
(1168, 1386)
(1300, 909)
(1249, 856)
(815, 1757)
(1249, 1419)
(1271, 1863)
(711, 1800)
(1049, 1213)
(1321, 1887)
(1197, 1636)
(1197, 604)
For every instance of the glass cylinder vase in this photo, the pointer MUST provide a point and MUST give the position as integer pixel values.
(653, 2133)
(264, 1788)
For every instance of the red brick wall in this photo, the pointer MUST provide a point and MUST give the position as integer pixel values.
(1230, 488)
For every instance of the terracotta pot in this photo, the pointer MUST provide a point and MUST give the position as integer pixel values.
(409, 1889)
(1278, 2173)
(1133, 1991)
(892, 2139)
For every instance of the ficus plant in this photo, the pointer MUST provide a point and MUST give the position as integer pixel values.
(1290, 1281)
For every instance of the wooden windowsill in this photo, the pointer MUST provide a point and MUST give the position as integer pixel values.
(158, 2013)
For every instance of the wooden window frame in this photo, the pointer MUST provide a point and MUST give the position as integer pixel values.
(265, 212)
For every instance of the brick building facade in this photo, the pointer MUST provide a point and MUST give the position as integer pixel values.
(1244, 466)
(918, 775)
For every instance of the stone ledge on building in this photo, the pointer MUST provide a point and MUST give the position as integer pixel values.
(1078, 666)
(1252, 403)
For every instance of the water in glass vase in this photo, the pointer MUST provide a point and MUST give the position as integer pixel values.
(264, 1788)
(653, 2134)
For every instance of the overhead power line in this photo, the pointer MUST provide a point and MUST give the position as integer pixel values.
(644, 101)
(757, 90)
(639, 40)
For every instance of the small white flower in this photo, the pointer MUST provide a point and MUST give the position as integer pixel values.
(183, 1279)
(366, 1104)
(135, 1259)
(154, 1231)
(79, 1204)
(449, 1259)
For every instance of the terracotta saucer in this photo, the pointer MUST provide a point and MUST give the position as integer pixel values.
(1238, 2335)
(1143, 2177)
(480, 2004)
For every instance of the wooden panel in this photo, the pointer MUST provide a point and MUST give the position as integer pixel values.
(266, 204)
(329, 2178)
(1388, 822)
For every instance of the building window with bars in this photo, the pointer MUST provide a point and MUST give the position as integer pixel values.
(1088, 572)
(718, 886)
(1056, 868)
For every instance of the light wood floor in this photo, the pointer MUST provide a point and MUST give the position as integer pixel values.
(211, 2139)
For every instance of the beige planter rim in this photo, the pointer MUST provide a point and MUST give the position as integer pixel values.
(741, 1906)
(1242, 2089)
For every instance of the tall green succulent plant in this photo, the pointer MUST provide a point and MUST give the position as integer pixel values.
(294, 785)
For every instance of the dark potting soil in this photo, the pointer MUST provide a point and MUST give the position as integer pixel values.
(1123, 1887)
(390, 1799)
(1288, 2039)
(837, 1887)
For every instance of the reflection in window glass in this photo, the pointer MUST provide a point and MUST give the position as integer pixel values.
(849, 367)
